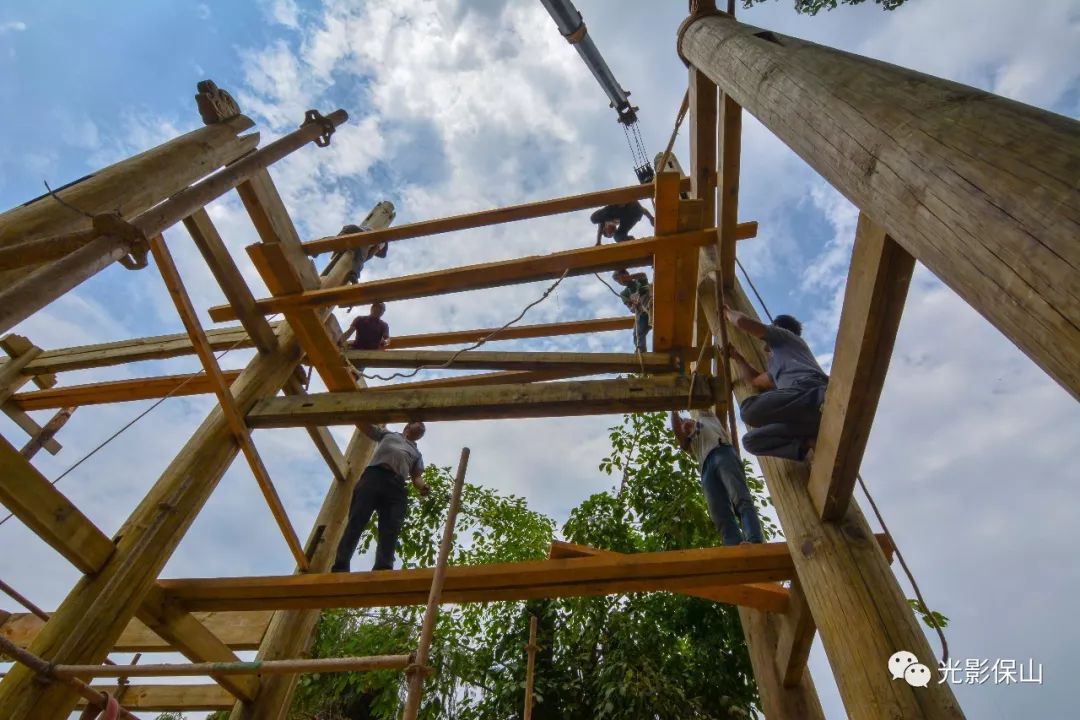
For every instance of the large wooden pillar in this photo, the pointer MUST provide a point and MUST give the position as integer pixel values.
(980, 189)
(858, 606)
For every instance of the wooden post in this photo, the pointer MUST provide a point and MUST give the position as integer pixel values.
(860, 611)
(30, 449)
(980, 189)
(419, 669)
(530, 668)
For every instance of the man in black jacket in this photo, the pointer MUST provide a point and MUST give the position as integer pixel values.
(616, 221)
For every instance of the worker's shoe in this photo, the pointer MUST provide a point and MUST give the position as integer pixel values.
(351, 278)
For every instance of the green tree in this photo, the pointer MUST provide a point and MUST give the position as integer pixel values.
(813, 7)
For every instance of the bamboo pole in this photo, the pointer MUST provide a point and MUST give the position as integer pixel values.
(530, 668)
(419, 668)
(48, 671)
(254, 667)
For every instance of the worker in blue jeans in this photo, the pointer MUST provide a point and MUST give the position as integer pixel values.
(723, 479)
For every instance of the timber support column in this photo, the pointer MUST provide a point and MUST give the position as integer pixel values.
(857, 604)
(980, 189)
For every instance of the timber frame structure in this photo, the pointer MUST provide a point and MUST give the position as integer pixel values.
(980, 189)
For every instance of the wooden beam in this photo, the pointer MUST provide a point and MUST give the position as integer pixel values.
(795, 637)
(555, 399)
(237, 630)
(171, 277)
(183, 631)
(873, 303)
(484, 218)
(777, 701)
(730, 146)
(120, 391)
(28, 425)
(22, 351)
(232, 283)
(860, 610)
(979, 188)
(767, 597)
(641, 572)
(516, 332)
(165, 698)
(492, 378)
(503, 360)
(48, 432)
(580, 261)
(45, 510)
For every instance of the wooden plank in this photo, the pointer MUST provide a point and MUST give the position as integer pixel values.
(503, 360)
(873, 303)
(668, 187)
(767, 597)
(232, 283)
(237, 630)
(28, 425)
(860, 610)
(266, 209)
(796, 636)
(477, 583)
(482, 219)
(979, 188)
(665, 277)
(580, 261)
(166, 698)
(198, 643)
(777, 701)
(171, 277)
(730, 145)
(22, 351)
(113, 391)
(703, 141)
(492, 378)
(45, 510)
(48, 432)
(554, 399)
(179, 344)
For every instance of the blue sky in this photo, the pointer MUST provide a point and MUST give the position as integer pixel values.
(459, 106)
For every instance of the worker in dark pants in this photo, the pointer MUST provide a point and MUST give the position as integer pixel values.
(637, 296)
(723, 478)
(381, 489)
(616, 221)
(784, 419)
(360, 255)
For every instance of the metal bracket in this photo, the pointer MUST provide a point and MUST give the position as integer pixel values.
(314, 117)
(139, 248)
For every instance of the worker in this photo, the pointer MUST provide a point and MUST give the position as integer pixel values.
(785, 417)
(360, 255)
(616, 221)
(372, 332)
(723, 478)
(637, 296)
(381, 489)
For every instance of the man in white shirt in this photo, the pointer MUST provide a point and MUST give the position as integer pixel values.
(381, 489)
(722, 476)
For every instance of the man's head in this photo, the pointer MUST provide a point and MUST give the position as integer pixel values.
(377, 309)
(621, 276)
(788, 323)
(689, 425)
(414, 430)
(608, 228)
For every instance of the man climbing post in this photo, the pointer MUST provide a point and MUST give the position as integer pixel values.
(381, 489)
(785, 417)
(723, 478)
(616, 221)
(360, 255)
(637, 296)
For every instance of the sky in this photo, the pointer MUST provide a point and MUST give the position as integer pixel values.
(458, 106)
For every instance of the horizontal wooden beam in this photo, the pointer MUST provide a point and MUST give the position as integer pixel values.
(114, 391)
(165, 698)
(502, 360)
(491, 378)
(767, 597)
(644, 572)
(554, 399)
(162, 347)
(45, 510)
(483, 218)
(515, 332)
(579, 261)
(28, 425)
(237, 630)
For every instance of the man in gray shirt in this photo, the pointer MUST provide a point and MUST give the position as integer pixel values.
(786, 416)
(381, 489)
(722, 476)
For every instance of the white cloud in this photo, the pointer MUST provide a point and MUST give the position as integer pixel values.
(202, 10)
(12, 26)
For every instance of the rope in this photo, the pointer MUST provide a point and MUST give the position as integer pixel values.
(22, 600)
(134, 420)
(674, 132)
(65, 203)
(478, 343)
(925, 609)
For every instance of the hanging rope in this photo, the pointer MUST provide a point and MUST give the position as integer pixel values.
(924, 608)
(478, 343)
